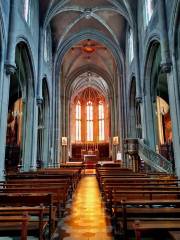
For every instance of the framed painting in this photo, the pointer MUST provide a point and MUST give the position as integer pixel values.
(64, 141)
(115, 140)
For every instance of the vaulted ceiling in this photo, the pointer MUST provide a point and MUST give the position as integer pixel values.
(68, 17)
(86, 54)
(107, 17)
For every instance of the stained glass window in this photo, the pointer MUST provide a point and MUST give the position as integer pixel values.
(45, 46)
(89, 121)
(101, 121)
(78, 121)
(149, 7)
(131, 47)
(26, 10)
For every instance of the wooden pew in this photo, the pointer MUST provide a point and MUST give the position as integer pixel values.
(71, 175)
(151, 226)
(118, 186)
(141, 215)
(59, 182)
(31, 200)
(137, 180)
(117, 196)
(36, 219)
(175, 235)
(112, 183)
(13, 221)
(59, 195)
(65, 185)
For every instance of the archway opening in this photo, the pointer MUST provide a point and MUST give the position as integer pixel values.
(13, 152)
(135, 126)
(19, 134)
(89, 70)
(43, 128)
(132, 109)
(161, 106)
(89, 120)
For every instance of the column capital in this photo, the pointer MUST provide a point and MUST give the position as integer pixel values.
(33, 168)
(138, 99)
(10, 68)
(166, 67)
(39, 100)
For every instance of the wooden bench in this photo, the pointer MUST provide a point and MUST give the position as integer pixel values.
(148, 213)
(31, 200)
(107, 190)
(140, 227)
(175, 235)
(46, 179)
(36, 219)
(71, 176)
(65, 186)
(59, 194)
(119, 181)
(59, 182)
(13, 221)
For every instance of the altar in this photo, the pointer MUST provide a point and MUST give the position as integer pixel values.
(90, 157)
(79, 150)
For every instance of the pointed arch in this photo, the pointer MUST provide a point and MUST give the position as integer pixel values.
(25, 77)
(132, 108)
(43, 143)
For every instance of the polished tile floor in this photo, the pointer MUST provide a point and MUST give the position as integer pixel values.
(85, 217)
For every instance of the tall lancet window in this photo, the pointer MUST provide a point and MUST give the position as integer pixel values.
(149, 8)
(101, 121)
(131, 47)
(78, 121)
(26, 10)
(89, 121)
(45, 46)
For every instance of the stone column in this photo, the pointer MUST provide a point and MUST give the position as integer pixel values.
(34, 120)
(39, 98)
(10, 63)
(65, 127)
(137, 67)
(40, 59)
(3, 117)
(111, 126)
(10, 68)
(172, 87)
(165, 54)
(68, 150)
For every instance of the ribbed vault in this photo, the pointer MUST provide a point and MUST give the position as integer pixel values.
(106, 16)
(89, 86)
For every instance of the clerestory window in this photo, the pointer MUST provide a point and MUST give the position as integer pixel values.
(46, 55)
(131, 47)
(149, 8)
(26, 10)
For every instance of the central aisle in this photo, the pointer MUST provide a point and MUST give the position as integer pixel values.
(85, 217)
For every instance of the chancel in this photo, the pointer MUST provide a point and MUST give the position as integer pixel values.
(89, 119)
